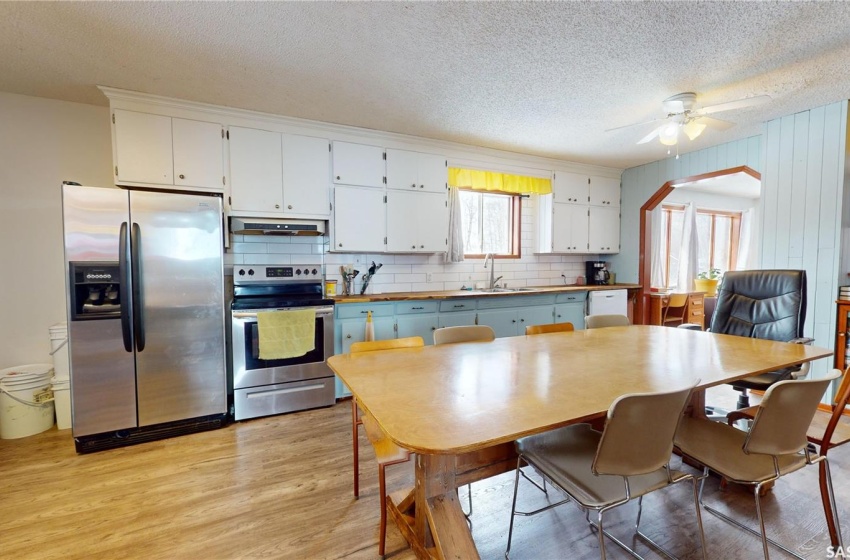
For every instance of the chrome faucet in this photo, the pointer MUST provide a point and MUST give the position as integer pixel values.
(492, 258)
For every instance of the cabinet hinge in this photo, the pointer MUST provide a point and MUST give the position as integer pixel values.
(385, 199)
(116, 171)
(113, 118)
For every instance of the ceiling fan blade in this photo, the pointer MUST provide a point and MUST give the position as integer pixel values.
(715, 123)
(737, 104)
(651, 135)
(634, 124)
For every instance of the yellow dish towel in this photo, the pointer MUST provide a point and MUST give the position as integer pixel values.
(286, 334)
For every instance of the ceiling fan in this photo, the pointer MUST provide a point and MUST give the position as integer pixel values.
(683, 117)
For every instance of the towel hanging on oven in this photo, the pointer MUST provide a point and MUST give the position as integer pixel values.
(286, 334)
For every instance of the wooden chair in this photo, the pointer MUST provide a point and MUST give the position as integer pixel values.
(774, 447)
(386, 452)
(601, 321)
(826, 431)
(674, 312)
(466, 333)
(549, 328)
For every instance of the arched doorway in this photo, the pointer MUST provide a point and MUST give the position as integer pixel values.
(645, 244)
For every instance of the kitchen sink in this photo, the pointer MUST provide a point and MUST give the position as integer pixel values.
(508, 290)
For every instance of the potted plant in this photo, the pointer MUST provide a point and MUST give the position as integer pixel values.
(707, 281)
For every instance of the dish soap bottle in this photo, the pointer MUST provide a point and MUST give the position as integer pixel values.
(370, 328)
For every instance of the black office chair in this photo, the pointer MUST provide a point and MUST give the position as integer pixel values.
(766, 304)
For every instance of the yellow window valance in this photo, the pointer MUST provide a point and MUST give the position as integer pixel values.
(495, 181)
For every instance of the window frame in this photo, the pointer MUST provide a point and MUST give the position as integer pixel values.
(515, 225)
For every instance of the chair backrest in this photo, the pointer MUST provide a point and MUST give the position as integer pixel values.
(675, 308)
(600, 321)
(466, 333)
(784, 415)
(393, 343)
(638, 435)
(551, 327)
(767, 304)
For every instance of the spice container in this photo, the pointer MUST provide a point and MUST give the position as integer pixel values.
(330, 288)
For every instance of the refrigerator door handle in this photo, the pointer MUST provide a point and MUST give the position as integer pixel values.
(124, 293)
(136, 272)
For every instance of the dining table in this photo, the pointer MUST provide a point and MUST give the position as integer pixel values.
(460, 407)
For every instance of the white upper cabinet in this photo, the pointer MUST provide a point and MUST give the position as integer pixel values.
(570, 188)
(604, 230)
(604, 191)
(256, 170)
(410, 171)
(161, 150)
(306, 175)
(569, 228)
(417, 222)
(359, 220)
(358, 164)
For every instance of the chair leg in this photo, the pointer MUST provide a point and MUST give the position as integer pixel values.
(829, 506)
(355, 447)
(601, 534)
(699, 520)
(513, 507)
(761, 521)
(382, 489)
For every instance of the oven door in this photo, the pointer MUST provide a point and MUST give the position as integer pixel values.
(250, 371)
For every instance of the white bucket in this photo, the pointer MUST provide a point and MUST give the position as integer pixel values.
(22, 413)
(62, 400)
(59, 349)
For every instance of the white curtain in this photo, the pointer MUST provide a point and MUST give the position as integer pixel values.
(455, 248)
(744, 241)
(689, 252)
(659, 258)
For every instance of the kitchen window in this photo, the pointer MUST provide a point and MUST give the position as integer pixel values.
(718, 233)
(491, 223)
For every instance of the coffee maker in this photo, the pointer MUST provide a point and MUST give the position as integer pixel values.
(597, 273)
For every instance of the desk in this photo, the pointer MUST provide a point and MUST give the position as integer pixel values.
(461, 406)
(694, 310)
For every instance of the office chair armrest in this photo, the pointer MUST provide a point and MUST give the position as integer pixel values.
(802, 340)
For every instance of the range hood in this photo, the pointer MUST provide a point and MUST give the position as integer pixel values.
(276, 226)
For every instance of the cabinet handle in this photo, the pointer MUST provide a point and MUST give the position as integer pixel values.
(349, 336)
(290, 207)
(559, 316)
(417, 308)
(458, 306)
(433, 328)
(522, 320)
(413, 246)
(362, 312)
(413, 186)
(842, 335)
(340, 244)
(421, 186)
(513, 320)
(277, 205)
(182, 176)
(422, 246)
(337, 177)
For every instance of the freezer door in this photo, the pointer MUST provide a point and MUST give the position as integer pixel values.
(103, 373)
(179, 306)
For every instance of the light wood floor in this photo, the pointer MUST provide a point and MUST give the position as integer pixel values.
(280, 487)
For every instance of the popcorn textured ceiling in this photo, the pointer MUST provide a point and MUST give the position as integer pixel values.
(542, 78)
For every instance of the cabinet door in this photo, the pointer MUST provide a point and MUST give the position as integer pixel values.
(417, 325)
(457, 319)
(358, 164)
(505, 322)
(433, 173)
(604, 230)
(432, 222)
(403, 221)
(570, 188)
(570, 313)
(539, 315)
(198, 156)
(355, 331)
(306, 175)
(359, 219)
(402, 170)
(143, 148)
(569, 228)
(256, 176)
(604, 191)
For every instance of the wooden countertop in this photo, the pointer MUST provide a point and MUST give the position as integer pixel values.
(456, 294)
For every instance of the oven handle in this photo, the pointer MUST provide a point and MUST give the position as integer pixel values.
(253, 314)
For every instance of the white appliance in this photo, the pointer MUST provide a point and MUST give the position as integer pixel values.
(607, 302)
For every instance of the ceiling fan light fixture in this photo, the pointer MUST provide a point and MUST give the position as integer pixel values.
(669, 135)
(693, 129)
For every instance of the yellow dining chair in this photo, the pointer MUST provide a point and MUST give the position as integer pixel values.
(674, 312)
(549, 328)
(604, 470)
(386, 452)
(601, 321)
(776, 445)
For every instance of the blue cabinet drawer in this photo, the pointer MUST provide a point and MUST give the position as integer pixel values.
(351, 310)
(408, 307)
(571, 297)
(515, 301)
(457, 305)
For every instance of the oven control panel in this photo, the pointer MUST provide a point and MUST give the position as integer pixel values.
(244, 273)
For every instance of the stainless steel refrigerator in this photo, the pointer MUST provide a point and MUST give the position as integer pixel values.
(146, 317)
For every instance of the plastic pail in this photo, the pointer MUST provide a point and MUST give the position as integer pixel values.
(62, 400)
(59, 350)
(21, 387)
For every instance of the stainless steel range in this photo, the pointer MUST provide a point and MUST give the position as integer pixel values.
(264, 387)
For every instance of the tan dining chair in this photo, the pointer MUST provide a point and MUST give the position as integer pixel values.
(386, 452)
(549, 328)
(826, 431)
(776, 445)
(601, 321)
(674, 311)
(465, 333)
(603, 470)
